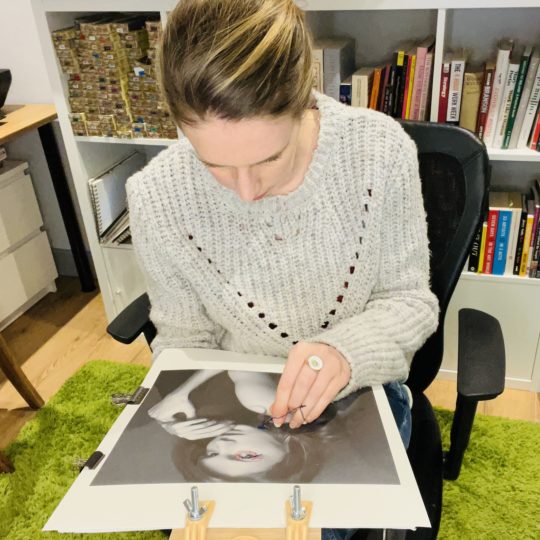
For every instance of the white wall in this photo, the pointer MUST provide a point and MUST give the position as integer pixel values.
(21, 53)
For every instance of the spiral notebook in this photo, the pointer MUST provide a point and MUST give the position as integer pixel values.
(108, 190)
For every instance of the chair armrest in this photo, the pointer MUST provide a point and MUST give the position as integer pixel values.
(481, 369)
(481, 356)
(132, 321)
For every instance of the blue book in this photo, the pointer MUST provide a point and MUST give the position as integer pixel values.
(501, 242)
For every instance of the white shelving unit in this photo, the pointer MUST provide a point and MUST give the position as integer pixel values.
(475, 24)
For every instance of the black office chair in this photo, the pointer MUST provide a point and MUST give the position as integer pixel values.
(454, 169)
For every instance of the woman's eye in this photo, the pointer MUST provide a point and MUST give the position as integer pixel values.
(211, 454)
(273, 159)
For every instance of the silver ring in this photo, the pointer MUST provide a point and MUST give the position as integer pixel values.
(315, 363)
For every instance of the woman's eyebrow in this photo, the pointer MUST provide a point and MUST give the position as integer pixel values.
(267, 159)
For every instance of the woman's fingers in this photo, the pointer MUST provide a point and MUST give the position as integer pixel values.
(321, 383)
(325, 399)
(294, 364)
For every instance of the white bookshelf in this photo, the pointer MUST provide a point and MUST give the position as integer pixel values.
(475, 24)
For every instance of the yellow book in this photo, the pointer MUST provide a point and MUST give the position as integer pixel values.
(412, 60)
(527, 239)
(482, 248)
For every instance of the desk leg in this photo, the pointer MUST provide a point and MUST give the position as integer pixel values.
(67, 209)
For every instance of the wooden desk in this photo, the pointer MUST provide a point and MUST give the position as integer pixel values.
(22, 118)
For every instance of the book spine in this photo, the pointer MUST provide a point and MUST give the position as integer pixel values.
(530, 112)
(456, 89)
(524, 101)
(375, 88)
(443, 94)
(389, 91)
(482, 256)
(521, 238)
(526, 246)
(536, 131)
(512, 242)
(506, 102)
(401, 85)
(485, 99)
(501, 242)
(535, 251)
(520, 81)
(501, 69)
(493, 218)
(411, 85)
(421, 53)
(409, 60)
(423, 113)
(474, 255)
(472, 86)
(318, 77)
(382, 91)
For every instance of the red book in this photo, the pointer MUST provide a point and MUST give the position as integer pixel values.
(493, 218)
(443, 94)
(485, 99)
(535, 131)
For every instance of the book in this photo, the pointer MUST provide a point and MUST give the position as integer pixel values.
(524, 263)
(536, 253)
(117, 228)
(472, 87)
(411, 67)
(482, 256)
(533, 253)
(422, 49)
(493, 220)
(108, 190)
(375, 88)
(521, 235)
(362, 81)
(382, 90)
(515, 204)
(525, 97)
(474, 255)
(423, 112)
(501, 69)
(338, 62)
(516, 97)
(444, 88)
(485, 98)
(400, 84)
(390, 88)
(506, 102)
(318, 69)
(530, 110)
(455, 92)
(535, 133)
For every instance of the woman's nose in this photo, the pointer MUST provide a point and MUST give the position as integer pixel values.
(245, 184)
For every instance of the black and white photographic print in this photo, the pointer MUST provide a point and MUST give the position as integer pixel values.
(212, 426)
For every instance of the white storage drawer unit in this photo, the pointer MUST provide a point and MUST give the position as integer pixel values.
(27, 269)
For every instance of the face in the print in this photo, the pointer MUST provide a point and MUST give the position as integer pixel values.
(243, 451)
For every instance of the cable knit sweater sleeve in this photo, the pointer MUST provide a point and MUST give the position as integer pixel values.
(402, 312)
(176, 311)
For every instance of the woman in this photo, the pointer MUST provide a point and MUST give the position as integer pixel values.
(284, 222)
(248, 448)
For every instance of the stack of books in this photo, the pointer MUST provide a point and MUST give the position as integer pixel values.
(400, 88)
(507, 241)
(498, 102)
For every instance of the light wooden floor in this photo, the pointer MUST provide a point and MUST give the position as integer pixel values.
(67, 329)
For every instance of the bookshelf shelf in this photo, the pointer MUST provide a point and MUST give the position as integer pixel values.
(475, 24)
(116, 140)
(514, 280)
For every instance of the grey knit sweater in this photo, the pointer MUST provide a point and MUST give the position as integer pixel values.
(342, 260)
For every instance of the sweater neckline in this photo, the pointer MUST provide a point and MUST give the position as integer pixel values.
(294, 200)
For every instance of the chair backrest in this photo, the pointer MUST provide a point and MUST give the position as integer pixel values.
(454, 169)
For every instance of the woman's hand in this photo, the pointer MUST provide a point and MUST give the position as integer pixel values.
(173, 404)
(301, 385)
(200, 428)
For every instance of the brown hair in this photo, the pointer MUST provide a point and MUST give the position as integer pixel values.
(236, 59)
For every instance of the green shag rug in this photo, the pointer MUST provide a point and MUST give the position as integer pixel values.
(496, 497)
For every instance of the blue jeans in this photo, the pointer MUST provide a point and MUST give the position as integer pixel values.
(399, 403)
